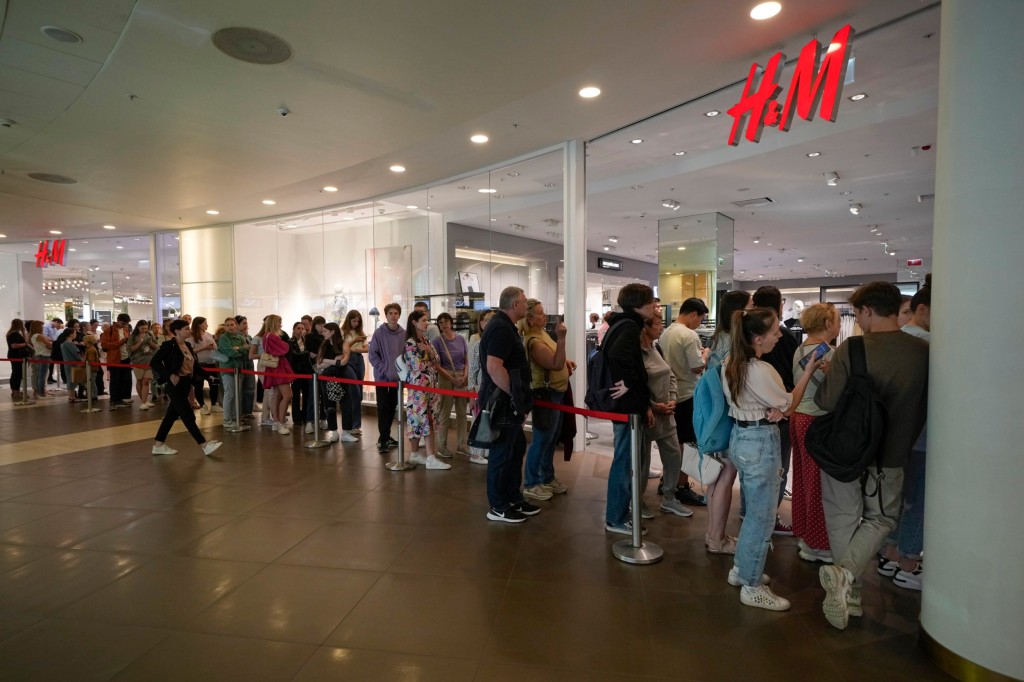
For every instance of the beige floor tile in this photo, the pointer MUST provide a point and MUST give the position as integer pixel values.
(156, 533)
(356, 664)
(80, 491)
(347, 544)
(16, 513)
(253, 538)
(68, 527)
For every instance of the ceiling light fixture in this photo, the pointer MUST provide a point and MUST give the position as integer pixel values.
(109, 227)
(671, 203)
(118, 247)
(681, 248)
(213, 212)
(3, 236)
(858, 97)
(412, 208)
(269, 202)
(613, 240)
(712, 113)
(766, 10)
(330, 188)
(679, 153)
(813, 155)
(513, 174)
(56, 232)
(757, 240)
(479, 138)
(799, 260)
(590, 92)
(855, 209)
(396, 168)
(487, 190)
(831, 178)
(636, 141)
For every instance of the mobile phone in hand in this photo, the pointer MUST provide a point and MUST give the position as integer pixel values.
(817, 353)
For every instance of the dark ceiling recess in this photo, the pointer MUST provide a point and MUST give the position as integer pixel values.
(61, 35)
(54, 178)
(252, 45)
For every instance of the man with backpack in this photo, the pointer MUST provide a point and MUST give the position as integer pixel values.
(861, 513)
(624, 357)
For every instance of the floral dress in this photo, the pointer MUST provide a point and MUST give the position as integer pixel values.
(421, 408)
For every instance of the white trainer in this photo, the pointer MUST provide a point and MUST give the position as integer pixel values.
(332, 436)
(762, 597)
(217, 409)
(309, 427)
(477, 459)
(164, 449)
(434, 463)
(837, 582)
(205, 409)
(210, 446)
(283, 430)
(347, 437)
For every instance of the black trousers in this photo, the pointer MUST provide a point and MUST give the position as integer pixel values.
(17, 368)
(302, 396)
(178, 408)
(212, 378)
(387, 406)
(120, 383)
(505, 468)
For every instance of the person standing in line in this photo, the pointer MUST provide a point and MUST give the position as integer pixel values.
(332, 353)
(683, 352)
(781, 358)
(51, 330)
(313, 338)
(433, 331)
(96, 331)
(91, 355)
(858, 522)
(298, 358)
(70, 352)
(548, 369)
(248, 396)
(233, 346)
(141, 347)
(421, 411)
(387, 343)
(204, 344)
(18, 348)
(476, 455)
(355, 339)
(115, 344)
(275, 342)
(595, 319)
(174, 363)
(507, 369)
(264, 396)
(757, 401)
(452, 352)
(821, 324)
(41, 348)
(624, 358)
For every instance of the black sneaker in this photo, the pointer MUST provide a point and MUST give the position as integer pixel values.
(689, 497)
(392, 443)
(510, 515)
(526, 508)
(382, 448)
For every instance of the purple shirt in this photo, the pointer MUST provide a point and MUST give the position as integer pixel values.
(456, 348)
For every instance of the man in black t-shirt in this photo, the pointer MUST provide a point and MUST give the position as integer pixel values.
(507, 369)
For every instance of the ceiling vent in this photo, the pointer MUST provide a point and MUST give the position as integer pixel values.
(921, 198)
(753, 203)
(53, 178)
(252, 45)
(61, 35)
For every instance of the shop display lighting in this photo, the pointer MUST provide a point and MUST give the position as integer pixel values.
(55, 232)
(681, 248)
(269, 202)
(855, 209)
(831, 178)
(679, 153)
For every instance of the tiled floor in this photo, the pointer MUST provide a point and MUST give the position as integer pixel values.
(270, 561)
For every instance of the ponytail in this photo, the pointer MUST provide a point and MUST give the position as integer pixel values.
(744, 326)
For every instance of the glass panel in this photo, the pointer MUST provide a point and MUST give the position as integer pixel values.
(695, 260)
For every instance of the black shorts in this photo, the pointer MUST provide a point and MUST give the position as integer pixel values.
(684, 421)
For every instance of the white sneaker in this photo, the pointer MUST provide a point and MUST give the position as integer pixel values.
(333, 436)
(210, 446)
(671, 505)
(762, 597)
(205, 409)
(323, 423)
(538, 492)
(144, 406)
(477, 459)
(734, 577)
(217, 409)
(417, 458)
(434, 463)
(283, 430)
(228, 424)
(164, 449)
(309, 427)
(837, 582)
(347, 437)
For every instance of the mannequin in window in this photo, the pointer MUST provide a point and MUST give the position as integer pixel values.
(794, 319)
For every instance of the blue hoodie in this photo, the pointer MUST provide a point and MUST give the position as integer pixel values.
(386, 345)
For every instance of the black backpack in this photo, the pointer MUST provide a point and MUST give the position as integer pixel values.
(599, 376)
(846, 441)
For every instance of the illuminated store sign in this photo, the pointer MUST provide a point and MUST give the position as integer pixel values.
(51, 255)
(815, 81)
(609, 264)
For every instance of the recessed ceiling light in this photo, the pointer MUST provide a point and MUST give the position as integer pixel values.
(72, 249)
(56, 232)
(757, 240)
(679, 153)
(494, 220)
(892, 253)
(799, 260)
(412, 208)
(550, 184)
(713, 112)
(811, 155)
(330, 188)
(479, 138)
(269, 202)
(858, 97)
(514, 174)
(396, 168)
(487, 190)
(681, 248)
(61, 35)
(766, 10)
(4, 236)
(636, 141)
(590, 92)
(831, 178)
(212, 212)
(109, 227)
(118, 247)
(613, 240)
(855, 209)
(348, 217)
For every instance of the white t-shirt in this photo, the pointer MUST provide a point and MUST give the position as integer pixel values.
(763, 390)
(681, 346)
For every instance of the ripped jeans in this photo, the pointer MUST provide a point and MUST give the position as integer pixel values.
(756, 452)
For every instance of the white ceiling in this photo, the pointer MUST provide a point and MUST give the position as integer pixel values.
(157, 126)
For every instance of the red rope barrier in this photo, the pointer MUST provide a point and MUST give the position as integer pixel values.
(342, 380)
(610, 416)
(440, 391)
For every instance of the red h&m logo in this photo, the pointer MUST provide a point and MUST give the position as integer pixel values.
(815, 81)
(47, 255)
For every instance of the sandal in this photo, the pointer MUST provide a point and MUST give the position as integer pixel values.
(727, 545)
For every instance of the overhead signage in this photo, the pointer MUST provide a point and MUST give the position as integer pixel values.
(609, 264)
(914, 262)
(815, 81)
(48, 254)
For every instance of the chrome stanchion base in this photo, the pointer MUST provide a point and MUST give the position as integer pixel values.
(400, 466)
(90, 409)
(316, 444)
(237, 429)
(646, 553)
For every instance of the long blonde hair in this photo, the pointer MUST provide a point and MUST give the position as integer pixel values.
(524, 324)
(271, 325)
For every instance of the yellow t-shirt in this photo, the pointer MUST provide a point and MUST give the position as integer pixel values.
(559, 379)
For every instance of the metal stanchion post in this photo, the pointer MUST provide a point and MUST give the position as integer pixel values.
(401, 464)
(635, 550)
(316, 442)
(90, 389)
(26, 382)
(239, 427)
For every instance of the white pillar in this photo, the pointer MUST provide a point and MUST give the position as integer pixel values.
(973, 600)
(575, 221)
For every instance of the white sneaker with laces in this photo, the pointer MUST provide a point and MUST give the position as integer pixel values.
(210, 446)
(434, 463)
(283, 430)
(144, 406)
(332, 436)
(734, 577)
(347, 437)
(309, 427)
(837, 582)
(762, 597)
(555, 486)
(538, 492)
(164, 449)
(417, 458)
(477, 459)
(323, 423)
(205, 409)
(217, 409)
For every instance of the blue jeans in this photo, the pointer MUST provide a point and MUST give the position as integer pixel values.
(354, 393)
(909, 536)
(39, 370)
(756, 453)
(505, 468)
(617, 507)
(228, 397)
(540, 458)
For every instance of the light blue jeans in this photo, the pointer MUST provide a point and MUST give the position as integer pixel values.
(617, 507)
(540, 458)
(228, 398)
(756, 452)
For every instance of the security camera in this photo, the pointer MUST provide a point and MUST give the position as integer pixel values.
(283, 111)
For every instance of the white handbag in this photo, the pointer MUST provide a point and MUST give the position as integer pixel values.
(702, 468)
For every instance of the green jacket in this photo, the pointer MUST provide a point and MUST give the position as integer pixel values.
(236, 356)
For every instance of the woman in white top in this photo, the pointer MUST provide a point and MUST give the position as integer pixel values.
(757, 401)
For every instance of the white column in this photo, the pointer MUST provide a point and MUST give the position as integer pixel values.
(575, 221)
(973, 600)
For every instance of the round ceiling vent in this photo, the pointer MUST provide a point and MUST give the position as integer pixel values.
(54, 178)
(252, 45)
(61, 35)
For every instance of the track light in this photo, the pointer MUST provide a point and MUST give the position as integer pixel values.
(671, 203)
(831, 178)
(855, 209)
